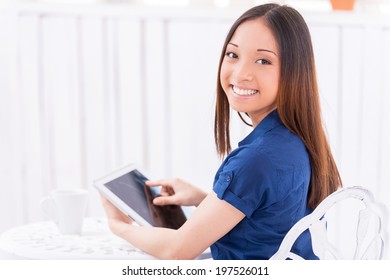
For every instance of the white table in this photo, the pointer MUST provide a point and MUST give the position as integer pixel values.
(43, 241)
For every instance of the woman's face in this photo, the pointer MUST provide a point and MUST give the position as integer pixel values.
(250, 70)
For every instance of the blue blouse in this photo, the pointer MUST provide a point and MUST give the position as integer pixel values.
(266, 178)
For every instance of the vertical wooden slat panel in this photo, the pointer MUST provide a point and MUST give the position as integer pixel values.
(111, 91)
(61, 94)
(131, 123)
(30, 106)
(350, 118)
(350, 121)
(93, 75)
(383, 193)
(372, 57)
(157, 99)
(384, 170)
(12, 211)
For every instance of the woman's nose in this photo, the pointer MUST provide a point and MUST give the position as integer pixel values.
(243, 72)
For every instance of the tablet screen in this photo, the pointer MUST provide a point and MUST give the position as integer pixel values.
(131, 189)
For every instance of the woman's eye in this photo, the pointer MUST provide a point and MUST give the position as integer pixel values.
(231, 55)
(263, 61)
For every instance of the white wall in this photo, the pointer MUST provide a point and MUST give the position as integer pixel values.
(83, 91)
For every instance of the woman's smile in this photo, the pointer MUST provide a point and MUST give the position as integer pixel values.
(243, 92)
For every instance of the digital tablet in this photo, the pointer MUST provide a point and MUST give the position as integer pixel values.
(126, 189)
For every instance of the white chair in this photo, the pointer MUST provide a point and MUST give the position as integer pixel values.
(369, 238)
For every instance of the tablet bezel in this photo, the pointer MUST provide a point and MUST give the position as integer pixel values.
(114, 199)
(117, 201)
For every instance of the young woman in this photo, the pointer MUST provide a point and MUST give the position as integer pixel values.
(280, 172)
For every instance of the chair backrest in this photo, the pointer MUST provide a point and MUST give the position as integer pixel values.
(370, 234)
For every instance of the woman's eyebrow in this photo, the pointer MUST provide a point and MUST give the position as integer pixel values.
(233, 44)
(259, 50)
(265, 50)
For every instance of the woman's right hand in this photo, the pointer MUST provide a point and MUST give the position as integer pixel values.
(177, 192)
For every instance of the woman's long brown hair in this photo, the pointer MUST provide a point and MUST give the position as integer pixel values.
(297, 101)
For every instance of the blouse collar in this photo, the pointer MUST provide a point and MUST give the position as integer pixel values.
(271, 121)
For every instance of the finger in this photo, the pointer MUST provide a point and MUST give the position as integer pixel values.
(164, 200)
(154, 183)
(166, 191)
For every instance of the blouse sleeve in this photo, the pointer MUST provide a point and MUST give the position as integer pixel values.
(245, 180)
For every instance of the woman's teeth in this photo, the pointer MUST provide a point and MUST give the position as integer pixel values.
(239, 91)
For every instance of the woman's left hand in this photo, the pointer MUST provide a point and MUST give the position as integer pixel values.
(117, 220)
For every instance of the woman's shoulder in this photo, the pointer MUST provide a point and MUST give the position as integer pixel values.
(250, 158)
(278, 149)
(283, 147)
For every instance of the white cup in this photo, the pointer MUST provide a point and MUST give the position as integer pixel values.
(66, 207)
